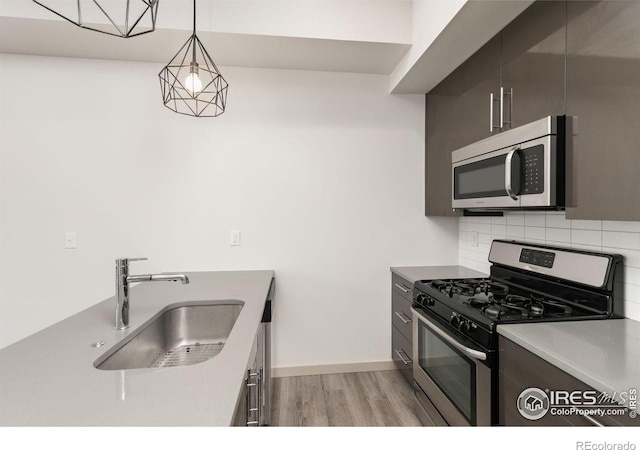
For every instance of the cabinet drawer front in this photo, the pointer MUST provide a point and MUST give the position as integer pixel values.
(402, 287)
(401, 315)
(401, 353)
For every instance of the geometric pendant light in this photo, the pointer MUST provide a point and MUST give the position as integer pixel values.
(191, 83)
(123, 18)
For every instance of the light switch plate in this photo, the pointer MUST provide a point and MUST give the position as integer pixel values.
(473, 237)
(234, 238)
(70, 240)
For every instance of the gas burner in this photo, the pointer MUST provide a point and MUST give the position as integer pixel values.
(502, 311)
(513, 306)
(490, 287)
(483, 297)
(481, 300)
(450, 287)
(537, 309)
(480, 288)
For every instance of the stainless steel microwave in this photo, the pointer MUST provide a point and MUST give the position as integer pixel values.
(516, 169)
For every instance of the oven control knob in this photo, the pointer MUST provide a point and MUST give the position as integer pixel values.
(455, 320)
(464, 325)
(424, 300)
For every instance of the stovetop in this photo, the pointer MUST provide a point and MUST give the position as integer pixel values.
(473, 307)
(497, 302)
(528, 283)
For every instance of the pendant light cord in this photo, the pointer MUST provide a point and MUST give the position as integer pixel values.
(193, 61)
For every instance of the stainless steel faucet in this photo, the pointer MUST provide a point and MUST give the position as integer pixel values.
(122, 287)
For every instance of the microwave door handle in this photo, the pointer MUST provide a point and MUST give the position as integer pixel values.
(508, 173)
(501, 107)
(491, 113)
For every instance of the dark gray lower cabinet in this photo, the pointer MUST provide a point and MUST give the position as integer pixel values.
(520, 369)
(401, 325)
(252, 401)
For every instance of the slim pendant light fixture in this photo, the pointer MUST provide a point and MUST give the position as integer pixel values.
(191, 83)
(123, 18)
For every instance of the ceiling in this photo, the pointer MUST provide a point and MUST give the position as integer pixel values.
(56, 38)
(360, 36)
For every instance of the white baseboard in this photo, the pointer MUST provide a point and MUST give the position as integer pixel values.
(297, 371)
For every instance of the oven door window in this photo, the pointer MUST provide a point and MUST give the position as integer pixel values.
(481, 179)
(453, 373)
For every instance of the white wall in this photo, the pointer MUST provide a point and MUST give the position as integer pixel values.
(321, 172)
(429, 18)
(553, 228)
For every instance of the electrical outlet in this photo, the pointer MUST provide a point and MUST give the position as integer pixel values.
(234, 238)
(70, 240)
(473, 237)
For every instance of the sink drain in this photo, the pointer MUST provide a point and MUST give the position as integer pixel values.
(189, 354)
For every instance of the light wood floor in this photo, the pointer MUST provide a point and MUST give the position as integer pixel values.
(348, 399)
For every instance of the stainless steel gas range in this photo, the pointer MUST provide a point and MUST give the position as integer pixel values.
(454, 321)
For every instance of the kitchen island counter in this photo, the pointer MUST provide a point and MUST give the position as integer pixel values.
(48, 379)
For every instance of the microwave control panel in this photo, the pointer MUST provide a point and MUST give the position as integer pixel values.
(532, 170)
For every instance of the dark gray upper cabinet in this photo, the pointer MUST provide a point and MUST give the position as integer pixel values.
(603, 92)
(443, 116)
(580, 58)
(528, 58)
(480, 78)
(522, 69)
(533, 63)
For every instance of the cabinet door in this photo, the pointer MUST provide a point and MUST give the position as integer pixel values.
(249, 402)
(443, 116)
(240, 418)
(401, 325)
(480, 77)
(520, 369)
(533, 63)
(603, 92)
(401, 353)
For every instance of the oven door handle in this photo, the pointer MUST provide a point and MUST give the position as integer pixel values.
(471, 353)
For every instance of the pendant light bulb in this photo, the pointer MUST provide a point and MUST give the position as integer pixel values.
(192, 83)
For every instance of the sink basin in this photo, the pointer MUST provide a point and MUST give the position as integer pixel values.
(179, 335)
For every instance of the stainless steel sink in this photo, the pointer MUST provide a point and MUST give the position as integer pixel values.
(180, 334)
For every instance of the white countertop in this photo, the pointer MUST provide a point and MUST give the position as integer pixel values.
(605, 354)
(415, 273)
(48, 379)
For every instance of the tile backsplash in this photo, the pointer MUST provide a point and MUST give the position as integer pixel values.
(553, 228)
